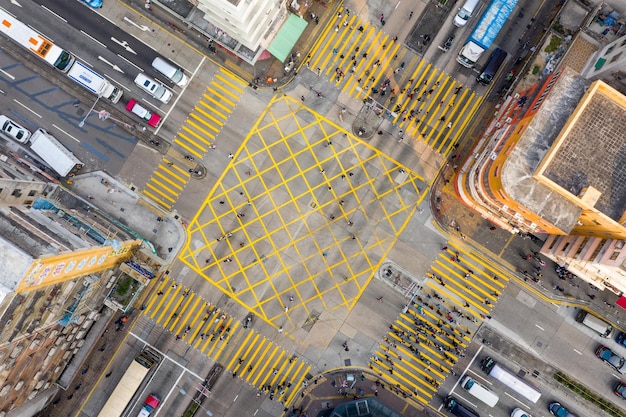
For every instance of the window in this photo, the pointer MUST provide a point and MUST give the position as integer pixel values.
(614, 256)
(32, 193)
(16, 193)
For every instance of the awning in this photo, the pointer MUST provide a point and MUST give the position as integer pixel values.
(621, 302)
(287, 37)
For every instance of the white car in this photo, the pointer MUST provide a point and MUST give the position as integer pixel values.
(518, 412)
(155, 89)
(11, 129)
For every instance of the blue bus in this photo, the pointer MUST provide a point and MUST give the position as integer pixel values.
(485, 31)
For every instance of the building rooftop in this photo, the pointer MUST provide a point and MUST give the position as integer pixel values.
(518, 173)
(591, 151)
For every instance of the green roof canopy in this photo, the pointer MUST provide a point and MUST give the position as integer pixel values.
(287, 37)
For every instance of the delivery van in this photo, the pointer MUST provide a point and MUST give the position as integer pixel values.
(600, 326)
(479, 391)
(465, 12)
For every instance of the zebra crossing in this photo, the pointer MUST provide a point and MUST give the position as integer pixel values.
(431, 334)
(195, 138)
(421, 100)
(242, 351)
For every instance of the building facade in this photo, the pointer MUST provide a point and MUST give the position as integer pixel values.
(61, 263)
(557, 168)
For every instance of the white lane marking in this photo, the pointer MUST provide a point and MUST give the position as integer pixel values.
(577, 351)
(53, 13)
(156, 132)
(509, 395)
(93, 39)
(539, 327)
(139, 68)
(117, 82)
(61, 130)
(28, 108)
(7, 74)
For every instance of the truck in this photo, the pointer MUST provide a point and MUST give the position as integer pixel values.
(53, 153)
(485, 31)
(94, 82)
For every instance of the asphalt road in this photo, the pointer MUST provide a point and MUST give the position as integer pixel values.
(34, 101)
(94, 40)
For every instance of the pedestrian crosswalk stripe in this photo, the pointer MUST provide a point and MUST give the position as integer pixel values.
(265, 363)
(237, 88)
(208, 119)
(221, 92)
(218, 103)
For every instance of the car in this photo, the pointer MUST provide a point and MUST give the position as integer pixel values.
(13, 130)
(559, 411)
(608, 356)
(151, 118)
(518, 412)
(151, 403)
(621, 338)
(620, 390)
(96, 4)
(155, 89)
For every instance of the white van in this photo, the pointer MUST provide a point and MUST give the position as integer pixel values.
(479, 391)
(600, 326)
(155, 89)
(174, 74)
(465, 13)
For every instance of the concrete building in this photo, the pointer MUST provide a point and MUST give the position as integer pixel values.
(558, 168)
(250, 27)
(62, 262)
(608, 62)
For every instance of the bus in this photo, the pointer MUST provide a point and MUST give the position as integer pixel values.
(485, 31)
(35, 42)
(130, 383)
(491, 368)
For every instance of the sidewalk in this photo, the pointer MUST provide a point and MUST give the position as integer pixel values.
(171, 19)
(322, 394)
(461, 223)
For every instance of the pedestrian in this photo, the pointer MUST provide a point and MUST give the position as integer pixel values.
(231, 156)
(302, 98)
(280, 329)
(380, 299)
(324, 254)
(410, 15)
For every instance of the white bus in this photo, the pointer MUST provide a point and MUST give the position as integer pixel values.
(130, 383)
(491, 368)
(35, 42)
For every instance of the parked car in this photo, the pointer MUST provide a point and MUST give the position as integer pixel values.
(518, 412)
(153, 119)
(620, 390)
(621, 338)
(559, 411)
(96, 4)
(152, 87)
(14, 131)
(608, 356)
(151, 403)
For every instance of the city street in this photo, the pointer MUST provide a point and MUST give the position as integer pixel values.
(322, 235)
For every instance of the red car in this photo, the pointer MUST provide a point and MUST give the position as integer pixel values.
(151, 118)
(151, 403)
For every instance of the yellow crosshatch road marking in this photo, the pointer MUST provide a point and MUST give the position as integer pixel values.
(308, 210)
